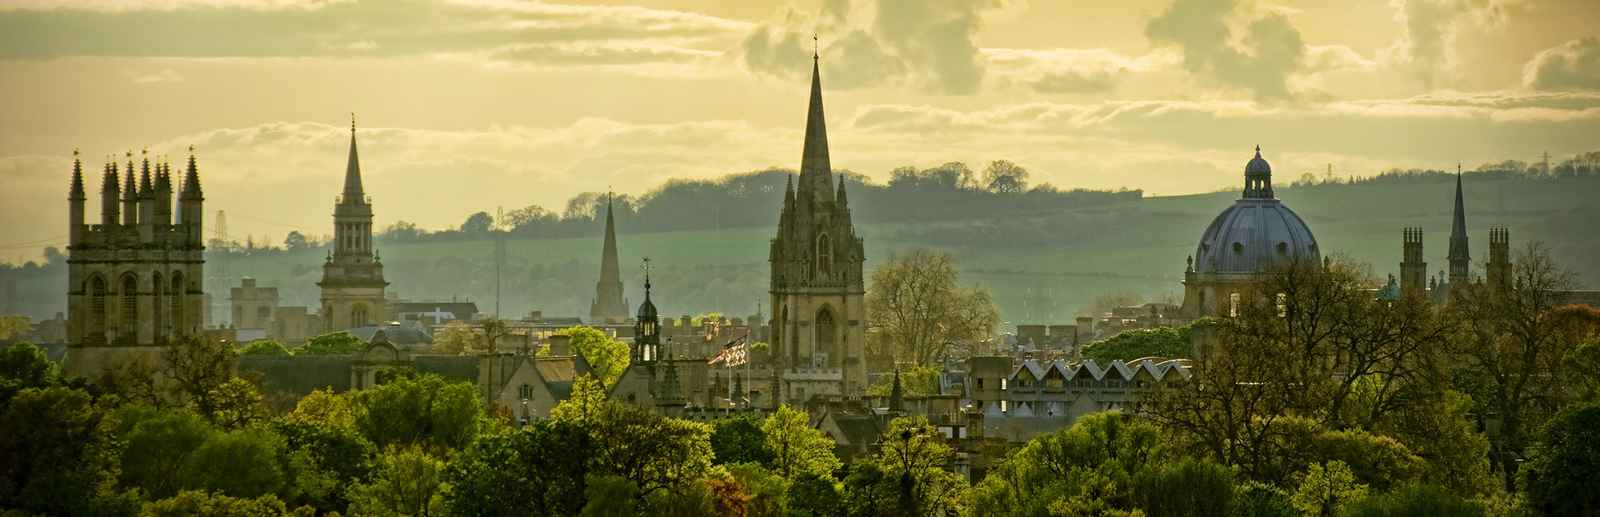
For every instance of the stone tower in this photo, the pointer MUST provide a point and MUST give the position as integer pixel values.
(1460, 259)
(608, 305)
(136, 283)
(352, 277)
(819, 321)
(1413, 270)
(1498, 268)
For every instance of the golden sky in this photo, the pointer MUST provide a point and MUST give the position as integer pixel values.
(467, 105)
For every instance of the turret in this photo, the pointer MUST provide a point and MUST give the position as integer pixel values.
(147, 195)
(1258, 178)
(109, 191)
(75, 202)
(130, 195)
(1499, 265)
(163, 193)
(189, 210)
(1413, 270)
(646, 326)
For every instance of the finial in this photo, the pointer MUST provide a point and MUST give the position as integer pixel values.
(74, 153)
(816, 46)
(191, 149)
(130, 153)
(352, 122)
(1258, 150)
(144, 152)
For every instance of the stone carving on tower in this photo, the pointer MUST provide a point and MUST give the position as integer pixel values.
(608, 305)
(818, 317)
(352, 276)
(1252, 238)
(134, 281)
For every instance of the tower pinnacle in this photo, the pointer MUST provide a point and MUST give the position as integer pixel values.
(1460, 259)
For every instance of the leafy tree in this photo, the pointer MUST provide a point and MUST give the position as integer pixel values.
(454, 338)
(1257, 499)
(295, 241)
(1562, 475)
(917, 380)
(914, 454)
(919, 310)
(197, 367)
(607, 357)
(1004, 177)
(610, 496)
(237, 404)
(423, 410)
(324, 407)
(740, 440)
(328, 454)
(156, 449)
(1087, 467)
(333, 343)
(25, 365)
(540, 469)
(812, 495)
(587, 400)
(766, 491)
(1188, 487)
(1414, 501)
(200, 503)
(1165, 342)
(797, 449)
(1327, 488)
(478, 223)
(409, 482)
(245, 463)
(654, 452)
(266, 347)
(54, 457)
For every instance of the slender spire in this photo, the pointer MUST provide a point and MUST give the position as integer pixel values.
(609, 271)
(191, 179)
(130, 190)
(816, 173)
(608, 303)
(353, 192)
(896, 394)
(146, 188)
(841, 199)
(1459, 257)
(76, 193)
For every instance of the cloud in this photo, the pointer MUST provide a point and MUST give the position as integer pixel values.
(1427, 45)
(1069, 71)
(928, 44)
(166, 75)
(519, 32)
(1262, 61)
(1574, 65)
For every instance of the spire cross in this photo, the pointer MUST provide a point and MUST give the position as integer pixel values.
(816, 46)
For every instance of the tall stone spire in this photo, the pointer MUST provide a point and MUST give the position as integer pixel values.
(352, 170)
(1460, 259)
(76, 193)
(130, 195)
(608, 304)
(816, 173)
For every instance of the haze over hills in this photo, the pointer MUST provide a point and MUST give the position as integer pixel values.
(1046, 255)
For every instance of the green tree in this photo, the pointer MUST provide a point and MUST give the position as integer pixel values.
(55, 458)
(587, 400)
(739, 440)
(1004, 177)
(540, 469)
(197, 367)
(1414, 501)
(323, 406)
(1165, 342)
(1186, 488)
(245, 463)
(920, 311)
(915, 454)
(478, 223)
(767, 491)
(266, 347)
(327, 456)
(333, 343)
(408, 482)
(1326, 489)
(200, 503)
(654, 452)
(156, 449)
(914, 381)
(797, 449)
(455, 338)
(610, 496)
(237, 404)
(1562, 475)
(25, 365)
(607, 357)
(811, 495)
(424, 410)
(1090, 465)
(1257, 499)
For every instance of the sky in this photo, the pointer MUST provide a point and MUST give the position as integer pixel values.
(468, 105)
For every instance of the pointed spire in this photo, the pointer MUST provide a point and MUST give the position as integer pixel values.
(130, 190)
(841, 199)
(76, 191)
(1459, 256)
(816, 173)
(353, 192)
(191, 178)
(896, 394)
(608, 304)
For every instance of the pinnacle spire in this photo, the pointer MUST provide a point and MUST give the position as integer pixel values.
(76, 193)
(1458, 224)
(146, 188)
(191, 178)
(608, 302)
(353, 192)
(816, 173)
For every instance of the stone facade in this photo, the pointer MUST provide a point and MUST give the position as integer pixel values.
(134, 281)
(252, 305)
(819, 319)
(352, 277)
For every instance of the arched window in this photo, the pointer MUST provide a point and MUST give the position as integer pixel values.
(98, 311)
(158, 327)
(128, 332)
(175, 298)
(826, 338)
(358, 316)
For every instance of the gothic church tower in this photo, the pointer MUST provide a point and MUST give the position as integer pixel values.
(819, 321)
(352, 277)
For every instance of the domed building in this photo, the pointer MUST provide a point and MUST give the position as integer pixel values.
(1254, 237)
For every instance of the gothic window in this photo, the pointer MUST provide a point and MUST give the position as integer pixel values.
(97, 311)
(127, 332)
(358, 316)
(157, 308)
(826, 339)
(824, 255)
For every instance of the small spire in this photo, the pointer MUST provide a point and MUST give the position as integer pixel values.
(77, 177)
(1258, 150)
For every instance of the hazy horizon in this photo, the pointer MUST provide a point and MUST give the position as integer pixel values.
(468, 105)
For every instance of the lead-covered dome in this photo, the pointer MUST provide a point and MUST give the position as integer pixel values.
(1258, 233)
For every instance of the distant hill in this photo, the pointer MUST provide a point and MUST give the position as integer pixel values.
(1044, 261)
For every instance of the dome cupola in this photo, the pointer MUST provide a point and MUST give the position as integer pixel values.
(1257, 234)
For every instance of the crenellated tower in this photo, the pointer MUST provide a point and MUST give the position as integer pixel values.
(819, 321)
(134, 281)
(352, 276)
(1413, 269)
(1498, 268)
